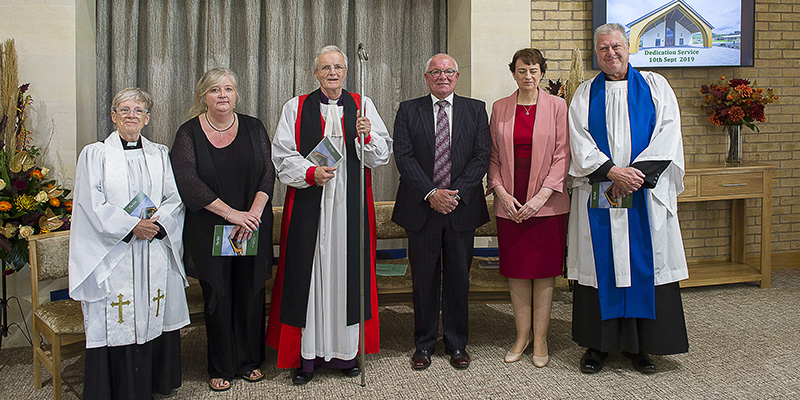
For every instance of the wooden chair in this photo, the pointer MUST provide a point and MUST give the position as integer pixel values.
(60, 322)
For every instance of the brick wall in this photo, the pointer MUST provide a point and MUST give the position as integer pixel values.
(560, 26)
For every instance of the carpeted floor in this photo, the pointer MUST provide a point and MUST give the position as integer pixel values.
(744, 344)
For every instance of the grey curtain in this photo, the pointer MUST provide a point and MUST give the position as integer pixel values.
(165, 46)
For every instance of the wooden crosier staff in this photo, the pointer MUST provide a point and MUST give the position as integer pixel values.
(362, 57)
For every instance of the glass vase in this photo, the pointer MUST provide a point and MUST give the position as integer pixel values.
(733, 139)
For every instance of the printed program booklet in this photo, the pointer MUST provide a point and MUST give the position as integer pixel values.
(225, 245)
(325, 154)
(603, 198)
(141, 206)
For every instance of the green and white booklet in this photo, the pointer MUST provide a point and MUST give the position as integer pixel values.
(603, 198)
(141, 206)
(324, 154)
(225, 245)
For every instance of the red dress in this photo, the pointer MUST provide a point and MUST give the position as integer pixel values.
(535, 248)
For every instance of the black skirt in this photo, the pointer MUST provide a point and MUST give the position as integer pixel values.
(134, 371)
(664, 335)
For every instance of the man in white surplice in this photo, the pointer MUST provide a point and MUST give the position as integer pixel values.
(625, 132)
(314, 317)
(127, 271)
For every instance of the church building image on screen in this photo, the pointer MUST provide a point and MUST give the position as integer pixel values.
(671, 25)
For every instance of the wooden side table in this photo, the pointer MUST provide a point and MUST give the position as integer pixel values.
(711, 181)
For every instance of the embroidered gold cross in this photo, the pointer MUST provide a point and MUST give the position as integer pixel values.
(119, 304)
(157, 299)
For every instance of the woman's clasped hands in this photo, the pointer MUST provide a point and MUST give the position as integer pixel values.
(246, 222)
(518, 212)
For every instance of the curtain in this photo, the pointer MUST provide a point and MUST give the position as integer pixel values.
(164, 47)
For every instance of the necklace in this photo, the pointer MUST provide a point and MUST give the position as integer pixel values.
(220, 131)
(527, 109)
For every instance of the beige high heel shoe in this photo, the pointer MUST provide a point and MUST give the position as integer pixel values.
(541, 361)
(514, 357)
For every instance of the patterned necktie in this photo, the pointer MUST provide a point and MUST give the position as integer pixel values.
(441, 165)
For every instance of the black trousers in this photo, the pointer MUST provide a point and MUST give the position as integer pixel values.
(664, 335)
(133, 372)
(234, 321)
(440, 259)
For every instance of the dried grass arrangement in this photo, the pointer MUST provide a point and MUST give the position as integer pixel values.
(575, 75)
(9, 90)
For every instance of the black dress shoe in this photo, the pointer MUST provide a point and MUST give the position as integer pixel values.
(421, 359)
(592, 361)
(301, 377)
(459, 359)
(351, 372)
(641, 362)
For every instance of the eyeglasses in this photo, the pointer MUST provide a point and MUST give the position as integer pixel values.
(436, 72)
(136, 111)
(336, 67)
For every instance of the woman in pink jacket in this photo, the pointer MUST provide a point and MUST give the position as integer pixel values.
(529, 163)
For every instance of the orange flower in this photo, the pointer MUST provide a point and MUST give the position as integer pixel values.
(736, 113)
(745, 90)
(54, 202)
(36, 173)
(68, 205)
(5, 206)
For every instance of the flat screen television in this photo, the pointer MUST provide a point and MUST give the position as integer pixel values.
(682, 33)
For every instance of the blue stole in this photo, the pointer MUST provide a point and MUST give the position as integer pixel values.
(638, 300)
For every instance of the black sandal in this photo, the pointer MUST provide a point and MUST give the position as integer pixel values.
(248, 375)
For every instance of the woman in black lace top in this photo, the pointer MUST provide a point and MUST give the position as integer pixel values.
(222, 165)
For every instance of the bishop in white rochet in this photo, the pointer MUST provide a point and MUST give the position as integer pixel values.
(314, 317)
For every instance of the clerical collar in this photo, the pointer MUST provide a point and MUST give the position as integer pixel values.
(324, 99)
(126, 145)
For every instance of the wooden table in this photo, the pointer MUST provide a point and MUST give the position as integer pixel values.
(711, 181)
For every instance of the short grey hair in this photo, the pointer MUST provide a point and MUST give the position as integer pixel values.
(211, 78)
(606, 29)
(327, 49)
(132, 93)
(430, 60)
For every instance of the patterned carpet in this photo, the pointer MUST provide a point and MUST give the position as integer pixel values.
(744, 344)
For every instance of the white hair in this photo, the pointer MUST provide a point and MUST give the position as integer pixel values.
(132, 93)
(606, 29)
(430, 60)
(327, 49)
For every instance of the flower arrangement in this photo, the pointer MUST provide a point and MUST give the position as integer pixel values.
(736, 102)
(567, 89)
(30, 202)
(556, 88)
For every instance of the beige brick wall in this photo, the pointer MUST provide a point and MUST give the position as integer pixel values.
(559, 26)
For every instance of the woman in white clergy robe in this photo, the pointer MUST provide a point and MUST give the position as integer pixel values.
(314, 317)
(125, 259)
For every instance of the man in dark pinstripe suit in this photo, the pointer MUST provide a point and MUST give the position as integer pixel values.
(441, 146)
